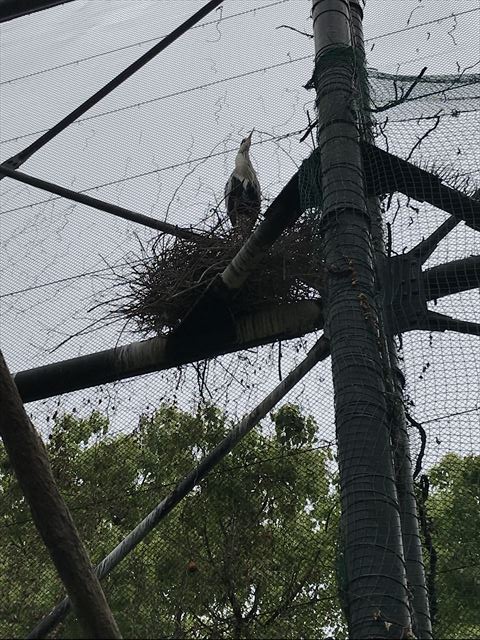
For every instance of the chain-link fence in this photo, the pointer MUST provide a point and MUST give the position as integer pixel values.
(255, 550)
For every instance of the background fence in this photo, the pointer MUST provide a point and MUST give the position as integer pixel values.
(254, 551)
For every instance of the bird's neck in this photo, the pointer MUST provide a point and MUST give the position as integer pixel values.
(242, 163)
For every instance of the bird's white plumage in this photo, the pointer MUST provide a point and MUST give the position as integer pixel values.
(242, 191)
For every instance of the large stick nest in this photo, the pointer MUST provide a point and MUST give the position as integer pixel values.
(169, 275)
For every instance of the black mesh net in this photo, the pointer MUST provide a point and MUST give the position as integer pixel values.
(257, 548)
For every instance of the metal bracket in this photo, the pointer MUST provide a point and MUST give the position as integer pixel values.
(404, 299)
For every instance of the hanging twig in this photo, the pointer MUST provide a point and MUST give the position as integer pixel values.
(303, 33)
(423, 438)
(402, 98)
(422, 138)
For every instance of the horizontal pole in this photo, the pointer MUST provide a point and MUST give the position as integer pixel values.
(18, 159)
(452, 277)
(440, 322)
(279, 323)
(252, 330)
(119, 212)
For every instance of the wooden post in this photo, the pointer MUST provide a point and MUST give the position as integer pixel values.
(372, 567)
(29, 460)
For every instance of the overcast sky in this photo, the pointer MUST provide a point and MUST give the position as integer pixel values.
(164, 143)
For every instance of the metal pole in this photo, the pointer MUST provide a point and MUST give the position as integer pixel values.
(114, 209)
(17, 160)
(412, 545)
(282, 322)
(374, 584)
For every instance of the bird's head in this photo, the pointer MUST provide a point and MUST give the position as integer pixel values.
(246, 142)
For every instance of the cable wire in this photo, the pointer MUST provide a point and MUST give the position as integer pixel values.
(168, 95)
(204, 24)
(139, 43)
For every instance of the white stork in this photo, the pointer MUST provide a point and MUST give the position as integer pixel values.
(242, 191)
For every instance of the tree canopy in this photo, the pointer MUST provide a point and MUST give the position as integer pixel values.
(250, 553)
(453, 509)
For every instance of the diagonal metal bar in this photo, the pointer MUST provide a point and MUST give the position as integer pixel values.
(114, 209)
(424, 249)
(17, 160)
(10, 9)
(385, 173)
(320, 351)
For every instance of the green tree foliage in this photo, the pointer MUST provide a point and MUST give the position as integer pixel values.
(250, 553)
(453, 508)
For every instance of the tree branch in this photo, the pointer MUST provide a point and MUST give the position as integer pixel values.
(402, 98)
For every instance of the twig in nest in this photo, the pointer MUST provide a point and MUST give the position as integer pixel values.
(165, 283)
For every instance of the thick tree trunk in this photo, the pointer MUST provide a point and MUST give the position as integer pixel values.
(375, 585)
(53, 520)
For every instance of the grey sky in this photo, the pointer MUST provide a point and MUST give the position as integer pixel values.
(144, 147)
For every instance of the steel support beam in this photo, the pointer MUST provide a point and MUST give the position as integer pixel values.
(394, 379)
(253, 330)
(373, 580)
(119, 212)
(10, 9)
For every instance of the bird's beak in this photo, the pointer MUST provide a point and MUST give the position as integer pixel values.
(248, 139)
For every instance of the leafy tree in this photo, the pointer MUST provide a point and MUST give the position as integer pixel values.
(250, 553)
(453, 509)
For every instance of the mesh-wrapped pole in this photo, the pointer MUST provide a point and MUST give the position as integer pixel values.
(374, 585)
(412, 545)
(318, 352)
